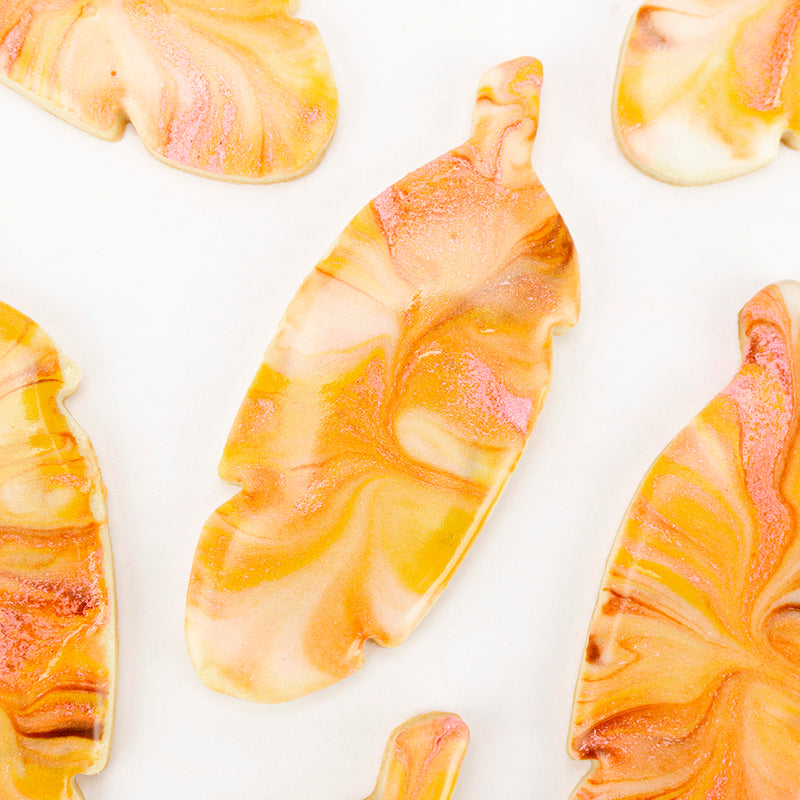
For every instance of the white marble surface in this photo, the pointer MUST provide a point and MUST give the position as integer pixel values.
(165, 288)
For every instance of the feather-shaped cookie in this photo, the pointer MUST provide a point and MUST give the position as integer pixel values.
(690, 686)
(57, 618)
(388, 412)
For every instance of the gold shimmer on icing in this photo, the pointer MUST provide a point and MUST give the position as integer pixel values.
(240, 90)
(422, 759)
(387, 414)
(691, 681)
(57, 622)
(708, 89)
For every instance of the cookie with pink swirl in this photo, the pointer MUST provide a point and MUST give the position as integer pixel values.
(236, 90)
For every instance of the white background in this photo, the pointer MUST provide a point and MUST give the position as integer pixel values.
(165, 288)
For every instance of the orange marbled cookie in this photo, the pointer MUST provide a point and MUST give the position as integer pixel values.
(240, 90)
(690, 686)
(708, 89)
(388, 412)
(422, 759)
(57, 619)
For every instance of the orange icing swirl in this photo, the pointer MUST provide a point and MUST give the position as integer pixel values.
(422, 759)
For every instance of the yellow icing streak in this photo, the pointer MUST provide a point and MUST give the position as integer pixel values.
(422, 759)
(707, 91)
(57, 621)
(245, 93)
(690, 683)
(389, 411)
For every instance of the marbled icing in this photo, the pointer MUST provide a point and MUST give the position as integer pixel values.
(242, 91)
(387, 414)
(57, 621)
(708, 89)
(691, 682)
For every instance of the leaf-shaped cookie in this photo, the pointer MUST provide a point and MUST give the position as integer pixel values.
(707, 89)
(388, 412)
(422, 759)
(691, 682)
(239, 90)
(57, 620)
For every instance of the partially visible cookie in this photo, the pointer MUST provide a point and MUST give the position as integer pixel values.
(57, 614)
(237, 90)
(690, 686)
(708, 89)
